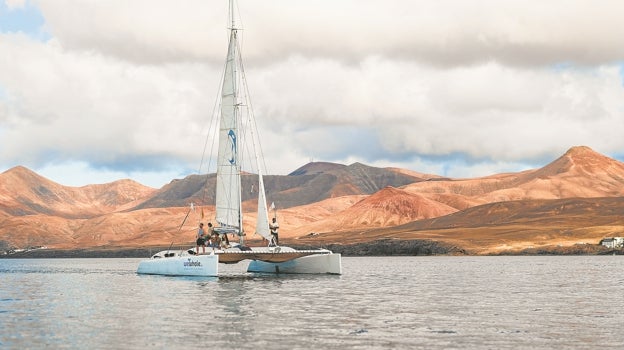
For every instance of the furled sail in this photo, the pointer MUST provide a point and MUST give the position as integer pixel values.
(262, 223)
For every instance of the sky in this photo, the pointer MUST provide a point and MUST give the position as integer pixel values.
(97, 91)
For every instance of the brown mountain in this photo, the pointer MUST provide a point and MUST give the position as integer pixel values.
(36, 211)
(311, 183)
(562, 203)
(337, 203)
(387, 207)
(23, 192)
(512, 225)
(580, 172)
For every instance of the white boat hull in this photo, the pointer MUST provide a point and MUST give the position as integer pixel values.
(181, 264)
(312, 264)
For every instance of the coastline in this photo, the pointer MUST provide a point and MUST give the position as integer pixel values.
(382, 247)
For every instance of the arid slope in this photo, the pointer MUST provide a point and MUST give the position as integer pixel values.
(576, 198)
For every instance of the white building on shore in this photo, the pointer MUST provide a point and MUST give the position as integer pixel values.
(613, 242)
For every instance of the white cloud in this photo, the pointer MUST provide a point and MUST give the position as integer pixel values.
(15, 4)
(65, 105)
(443, 32)
(486, 111)
(460, 87)
(143, 31)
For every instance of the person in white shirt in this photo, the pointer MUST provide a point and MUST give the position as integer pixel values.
(274, 227)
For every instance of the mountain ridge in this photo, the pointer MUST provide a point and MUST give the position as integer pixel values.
(319, 202)
(24, 192)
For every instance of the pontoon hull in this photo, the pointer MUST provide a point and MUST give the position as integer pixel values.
(312, 264)
(263, 259)
(181, 265)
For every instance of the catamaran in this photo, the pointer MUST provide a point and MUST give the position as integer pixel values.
(272, 258)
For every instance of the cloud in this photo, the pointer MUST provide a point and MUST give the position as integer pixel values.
(451, 87)
(15, 4)
(445, 32)
(140, 31)
(65, 105)
(485, 111)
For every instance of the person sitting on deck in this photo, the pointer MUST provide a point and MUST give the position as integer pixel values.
(224, 240)
(211, 234)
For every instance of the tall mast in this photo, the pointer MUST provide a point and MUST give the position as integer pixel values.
(232, 26)
(234, 102)
(237, 116)
(228, 196)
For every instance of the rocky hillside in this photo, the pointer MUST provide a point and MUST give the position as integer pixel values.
(311, 183)
(23, 192)
(580, 172)
(323, 203)
(507, 226)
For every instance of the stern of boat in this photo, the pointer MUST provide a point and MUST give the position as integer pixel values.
(311, 264)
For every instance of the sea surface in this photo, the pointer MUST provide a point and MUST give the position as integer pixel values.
(540, 302)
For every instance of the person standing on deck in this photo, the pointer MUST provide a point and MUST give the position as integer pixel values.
(274, 227)
(201, 238)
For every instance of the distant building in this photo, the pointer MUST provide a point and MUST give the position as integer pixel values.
(613, 242)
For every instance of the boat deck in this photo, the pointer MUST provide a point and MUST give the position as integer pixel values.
(273, 255)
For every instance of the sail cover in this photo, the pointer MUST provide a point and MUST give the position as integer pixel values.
(228, 192)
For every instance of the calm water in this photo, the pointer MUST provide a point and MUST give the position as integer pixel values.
(379, 303)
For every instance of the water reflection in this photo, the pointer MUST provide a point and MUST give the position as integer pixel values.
(427, 302)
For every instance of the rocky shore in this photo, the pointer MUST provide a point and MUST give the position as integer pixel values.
(118, 252)
(383, 247)
(391, 247)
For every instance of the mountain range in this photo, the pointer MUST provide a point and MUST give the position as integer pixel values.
(578, 198)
